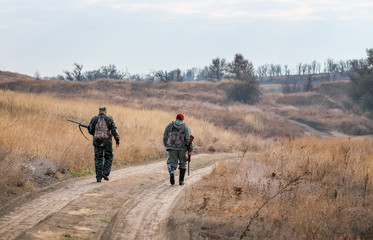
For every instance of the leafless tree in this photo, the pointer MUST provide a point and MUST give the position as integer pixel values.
(78, 72)
(308, 86)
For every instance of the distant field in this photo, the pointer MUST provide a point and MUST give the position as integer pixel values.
(271, 88)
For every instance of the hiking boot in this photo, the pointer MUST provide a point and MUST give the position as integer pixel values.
(105, 177)
(172, 178)
(181, 176)
(98, 179)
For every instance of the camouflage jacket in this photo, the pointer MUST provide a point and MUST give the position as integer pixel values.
(111, 126)
(176, 136)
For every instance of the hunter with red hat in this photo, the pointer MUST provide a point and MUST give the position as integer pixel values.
(176, 139)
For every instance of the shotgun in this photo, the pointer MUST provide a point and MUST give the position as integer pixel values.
(191, 138)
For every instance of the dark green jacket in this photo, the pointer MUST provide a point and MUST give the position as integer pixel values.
(177, 125)
(111, 126)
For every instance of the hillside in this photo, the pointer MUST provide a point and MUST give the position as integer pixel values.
(294, 160)
(326, 112)
(12, 77)
(328, 107)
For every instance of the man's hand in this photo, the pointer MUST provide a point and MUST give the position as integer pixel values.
(117, 145)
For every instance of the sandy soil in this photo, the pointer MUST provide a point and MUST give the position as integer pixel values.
(134, 204)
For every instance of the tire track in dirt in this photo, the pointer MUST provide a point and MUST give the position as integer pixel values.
(145, 217)
(142, 216)
(31, 213)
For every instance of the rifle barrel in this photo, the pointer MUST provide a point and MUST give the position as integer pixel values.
(82, 125)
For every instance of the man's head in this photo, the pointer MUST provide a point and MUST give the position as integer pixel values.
(180, 117)
(102, 110)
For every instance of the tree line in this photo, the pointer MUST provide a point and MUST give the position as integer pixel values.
(217, 70)
(246, 86)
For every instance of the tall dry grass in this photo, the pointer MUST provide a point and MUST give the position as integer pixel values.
(331, 197)
(36, 140)
(209, 101)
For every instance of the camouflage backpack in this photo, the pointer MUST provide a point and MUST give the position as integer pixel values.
(176, 137)
(101, 130)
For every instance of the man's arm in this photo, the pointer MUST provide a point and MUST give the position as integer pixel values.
(113, 130)
(91, 127)
(165, 135)
(188, 133)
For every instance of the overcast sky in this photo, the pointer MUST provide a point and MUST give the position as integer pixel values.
(140, 36)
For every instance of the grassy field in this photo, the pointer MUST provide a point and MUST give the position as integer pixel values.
(305, 172)
(209, 101)
(37, 143)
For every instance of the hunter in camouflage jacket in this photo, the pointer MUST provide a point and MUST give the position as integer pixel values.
(179, 141)
(111, 126)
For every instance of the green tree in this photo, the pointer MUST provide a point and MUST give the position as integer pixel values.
(362, 82)
(216, 69)
(240, 68)
(245, 88)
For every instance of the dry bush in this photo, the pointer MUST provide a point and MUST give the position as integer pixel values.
(332, 199)
(36, 135)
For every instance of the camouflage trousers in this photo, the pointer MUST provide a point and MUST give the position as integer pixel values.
(175, 158)
(103, 167)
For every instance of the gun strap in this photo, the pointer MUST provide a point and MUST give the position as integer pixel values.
(82, 132)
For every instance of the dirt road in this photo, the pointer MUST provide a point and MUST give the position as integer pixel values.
(134, 204)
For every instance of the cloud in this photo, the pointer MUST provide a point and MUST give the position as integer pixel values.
(6, 9)
(367, 4)
(244, 10)
(185, 8)
(304, 13)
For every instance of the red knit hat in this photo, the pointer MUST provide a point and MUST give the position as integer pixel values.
(180, 115)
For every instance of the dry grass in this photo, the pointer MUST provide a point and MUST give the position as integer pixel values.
(209, 101)
(10, 77)
(306, 99)
(337, 90)
(319, 112)
(202, 100)
(333, 200)
(37, 142)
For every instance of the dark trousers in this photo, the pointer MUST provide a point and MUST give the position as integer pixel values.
(177, 157)
(103, 160)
